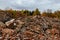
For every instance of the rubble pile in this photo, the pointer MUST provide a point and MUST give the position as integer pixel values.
(30, 28)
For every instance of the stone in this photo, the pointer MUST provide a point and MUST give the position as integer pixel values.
(7, 31)
(2, 25)
(4, 17)
(9, 22)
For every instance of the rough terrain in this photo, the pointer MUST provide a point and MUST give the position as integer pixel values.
(30, 28)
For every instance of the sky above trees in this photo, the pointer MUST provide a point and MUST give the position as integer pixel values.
(30, 4)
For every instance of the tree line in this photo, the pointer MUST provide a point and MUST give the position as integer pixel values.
(17, 13)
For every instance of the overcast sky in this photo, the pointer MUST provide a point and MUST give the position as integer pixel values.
(30, 4)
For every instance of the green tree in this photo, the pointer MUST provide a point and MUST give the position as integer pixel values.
(36, 12)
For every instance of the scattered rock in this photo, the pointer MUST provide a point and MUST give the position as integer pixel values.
(2, 25)
(9, 22)
(4, 17)
(31, 28)
(7, 31)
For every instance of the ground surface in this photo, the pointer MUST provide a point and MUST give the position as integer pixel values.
(30, 28)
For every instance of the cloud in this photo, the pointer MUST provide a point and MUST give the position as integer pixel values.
(30, 4)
